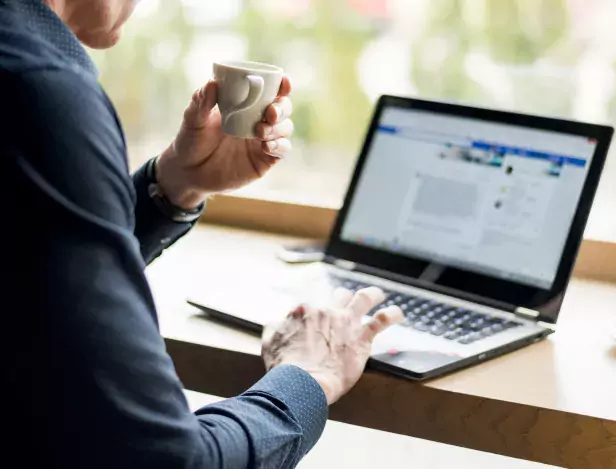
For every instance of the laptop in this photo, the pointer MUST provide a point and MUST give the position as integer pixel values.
(469, 219)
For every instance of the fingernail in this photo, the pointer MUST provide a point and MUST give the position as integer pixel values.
(396, 315)
(378, 292)
(269, 130)
(272, 146)
(299, 312)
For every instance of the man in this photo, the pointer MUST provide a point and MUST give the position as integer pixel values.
(85, 375)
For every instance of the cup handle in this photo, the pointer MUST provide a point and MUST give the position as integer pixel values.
(255, 91)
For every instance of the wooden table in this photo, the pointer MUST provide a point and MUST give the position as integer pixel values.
(344, 445)
(553, 402)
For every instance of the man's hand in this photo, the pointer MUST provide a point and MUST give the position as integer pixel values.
(203, 160)
(332, 345)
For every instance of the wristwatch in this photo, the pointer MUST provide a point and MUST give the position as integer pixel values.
(155, 192)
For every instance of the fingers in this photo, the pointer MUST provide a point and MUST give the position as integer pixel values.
(276, 128)
(277, 148)
(342, 298)
(279, 110)
(285, 87)
(267, 132)
(381, 320)
(366, 299)
(298, 313)
(275, 138)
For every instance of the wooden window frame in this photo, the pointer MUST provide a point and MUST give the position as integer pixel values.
(596, 260)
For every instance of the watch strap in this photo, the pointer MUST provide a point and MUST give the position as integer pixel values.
(156, 194)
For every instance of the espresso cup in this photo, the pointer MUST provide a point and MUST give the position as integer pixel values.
(245, 90)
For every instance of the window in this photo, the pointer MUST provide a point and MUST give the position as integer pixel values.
(552, 57)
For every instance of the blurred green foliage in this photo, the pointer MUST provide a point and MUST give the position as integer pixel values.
(146, 77)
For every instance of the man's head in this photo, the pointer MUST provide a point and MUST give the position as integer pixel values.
(97, 23)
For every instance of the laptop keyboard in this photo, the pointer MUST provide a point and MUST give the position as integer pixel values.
(439, 319)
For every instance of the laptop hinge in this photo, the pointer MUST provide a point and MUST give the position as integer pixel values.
(527, 313)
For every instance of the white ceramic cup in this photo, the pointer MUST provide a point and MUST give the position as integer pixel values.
(245, 90)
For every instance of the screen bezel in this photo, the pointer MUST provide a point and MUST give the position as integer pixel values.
(545, 301)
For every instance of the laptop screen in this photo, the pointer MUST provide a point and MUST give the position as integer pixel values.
(491, 198)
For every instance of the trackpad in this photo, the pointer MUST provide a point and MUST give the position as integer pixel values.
(419, 361)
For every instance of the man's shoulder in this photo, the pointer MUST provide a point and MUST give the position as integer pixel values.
(35, 74)
(56, 97)
(23, 51)
(60, 124)
(63, 105)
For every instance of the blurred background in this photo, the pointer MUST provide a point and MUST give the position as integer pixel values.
(550, 57)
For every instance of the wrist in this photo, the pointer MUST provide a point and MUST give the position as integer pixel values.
(175, 182)
(332, 394)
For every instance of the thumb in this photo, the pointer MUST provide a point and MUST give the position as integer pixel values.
(203, 102)
(210, 96)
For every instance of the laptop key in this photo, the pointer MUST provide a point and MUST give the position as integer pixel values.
(425, 319)
(452, 335)
(421, 326)
(468, 339)
(350, 285)
(476, 324)
(510, 324)
(460, 321)
(407, 322)
(438, 329)
(497, 328)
